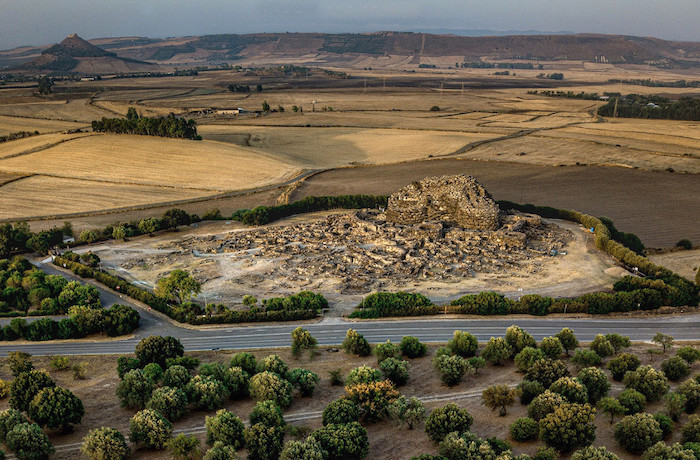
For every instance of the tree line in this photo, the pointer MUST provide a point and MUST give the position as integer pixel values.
(170, 126)
(654, 107)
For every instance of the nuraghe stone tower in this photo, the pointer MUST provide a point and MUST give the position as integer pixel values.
(455, 200)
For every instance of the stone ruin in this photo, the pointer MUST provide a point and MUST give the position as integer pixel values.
(441, 229)
(458, 201)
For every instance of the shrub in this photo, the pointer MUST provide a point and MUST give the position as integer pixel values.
(636, 433)
(602, 346)
(518, 339)
(586, 358)
(310, 449)
(632, 400)
(691, 430)
(410, 411)
(61, 363)
(273, 363)
(524, 429)
(411, 347)
(467, 446)
(176, 377)
(153, 372)
(611, 406)
(675, 368)
(569, 426)
(544, 404)
(648, 381)
(499, 397)
(665, 423)
(445, 420)
(464, 344)
(665, 340)
(386, 350)
(304, 380)
(546, 453)
(19, 362)
(238, 380)
(27, 385)
(135, 389)
(356, 344)
(302, 340)
(184, 447)
(341, 411)
(571, 389)
(675, 404)
(220, 451)
(268, 413)
(689, 354)
(226, 428)
(568, 339)
(264, 442)
(343, 442)
(547, 371)
(529, 390)
(476, 363)
(596, 383)
(126, 364)
(551, 347)
(594, 453)
(336, 377)
(660, 451)
(170, 402)
(684, 244)
(527, 357)
(206, 392)
(56, 407)
(451, 368)
(105, 444)
(9, 418)
(245, 361)
(268, 386)
(28, 442)
(150, 428)
(622, 364)
(618, 341)
(157, 349)
(690, 389)
(373, 398)
(395, 370)
(363, 374)
(497, 351)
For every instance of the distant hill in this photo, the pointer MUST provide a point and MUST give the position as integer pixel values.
(75, 55)
(354, 50)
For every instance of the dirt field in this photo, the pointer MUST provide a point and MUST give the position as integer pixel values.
(638, 201)
(685, 263)
(387, 441)
(378, 117)
(228, 275)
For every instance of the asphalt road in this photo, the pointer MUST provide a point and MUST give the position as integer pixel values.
(332, 330)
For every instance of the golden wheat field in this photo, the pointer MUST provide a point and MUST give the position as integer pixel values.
(10, 125)
(333, 147)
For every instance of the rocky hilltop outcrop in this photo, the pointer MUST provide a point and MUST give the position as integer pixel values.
(459, 201)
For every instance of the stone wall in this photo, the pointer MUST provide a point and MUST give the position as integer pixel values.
(455, 200)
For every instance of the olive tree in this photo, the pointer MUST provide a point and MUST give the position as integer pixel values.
(651, 383)
(170, 402)
(594, 453)
(451, 368)
(632, 400)
(518, 339)
(387, 350)
(28, 442)
(309, 449)
(551, 347)
(27, 385)
(264, 442)
(343, 442)
(177, 286)
(363, 374)
(269, 386)
(596, 383)
(157, 349)
(304, 380)
(56, 407)
(341, 411)
(622, 364)
(395, 370)
(105, 443)
(568, 427)
(302, 340)
(660, 451)
(411, 347)
(499, 397)
(268, 413)
(135, 389)
(206, 393)
(225, 428)
(527, 357)
(373, 398)
(571, 389)
(568, 340)
(445, 420)
(547, 371)
(497, 351)
(356, 344)
(636, 433)
(544, 404)
(410, 411)
(150, 428)
(611, 406)
(464, 344)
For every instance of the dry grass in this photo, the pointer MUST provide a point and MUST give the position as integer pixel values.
(10, 125)
(143, 160)
(75, 110)
(685, 263)
(34, 144)
(334, 147)
(42, 196)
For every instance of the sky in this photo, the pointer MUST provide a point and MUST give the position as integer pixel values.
(38, 22)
